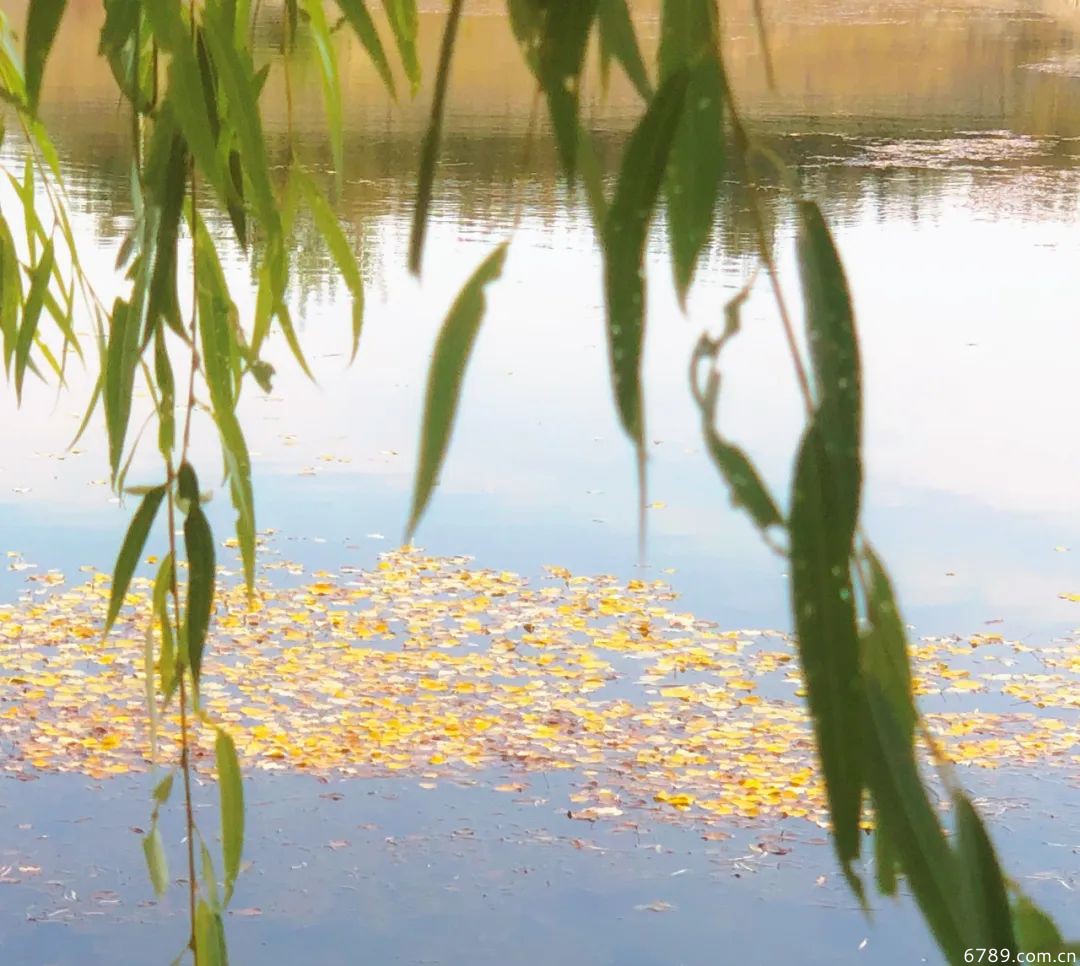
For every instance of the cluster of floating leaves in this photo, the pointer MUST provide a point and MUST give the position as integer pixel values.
(431, 668)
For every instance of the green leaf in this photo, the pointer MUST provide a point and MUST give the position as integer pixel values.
(10, 292)
(219, 330)
(157, 862)
(199, 547)
(429, 151)
(35, 298)
(564, 37)
(360, 20)
(122, 357)
(618, 35)
(625, 236)
(824, 608)
(167, 658)
(163, 789)
(914, 831)
(209, 937)
(42, 22)
(340, 250)
(1034, 928)
(131, 550)
(209, 878)
(448, 363)
(331, 83)
(689, 40)
(989, 916)
(185, 93)
(231, 792)
(834, 352)
(236, 76)
(404, 22)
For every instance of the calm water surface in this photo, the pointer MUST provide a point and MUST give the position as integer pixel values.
(942, 141)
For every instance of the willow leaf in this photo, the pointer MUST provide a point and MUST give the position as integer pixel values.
(429, 151)
(404, 22)
(448, 363)
(331, 84)
(42, 22)
(340, 250)
(989, 917)
(619, 37)
(35, 299)
(231, 793)
(157, 863)
(131, 550)
(824, 608)
(199, 546)
(625, 234)
(359, 19)
(209, 936)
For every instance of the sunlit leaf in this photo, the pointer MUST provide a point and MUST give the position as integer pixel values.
(990, 920)
(163, 582)
(429, 151)
(121, 359)
(404, 22)
(824, 609)
(131, 550)
(359, 18)
(231, 793)
(10, 292)
(199, 546)
(1035, 930)
(340, 250)
(42, 22)
(448, 362)
(157, 862)
(625, 234)
(209, 937)
(331, 84)
(35, 298)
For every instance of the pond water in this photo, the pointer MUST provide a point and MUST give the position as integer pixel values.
(942, 141)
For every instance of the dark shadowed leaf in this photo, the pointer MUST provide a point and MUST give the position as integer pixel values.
(989, 923)
(619, 37)
(131, 550)
(625, 233)
(359, 18)
(42, 21)
(448, 362)
(429, 151)
(915, 833)
(834, 353)
(231, 793)
(689, 40)
(824, 609)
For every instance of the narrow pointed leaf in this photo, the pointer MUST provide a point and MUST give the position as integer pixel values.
(429, 151)
(331, 84)
(340, 250)
(990, 919)
(620, 38)
(824, 608)
(404, 22)
(131, 550)
(1035, 930)
(914, 829)
(231, 793)
(199, 546)
(209, 937)
(834, 353)
(157, 863)
(625, 236)
(448, 363)
(35, 298)
(359, 19)
(42, 22)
